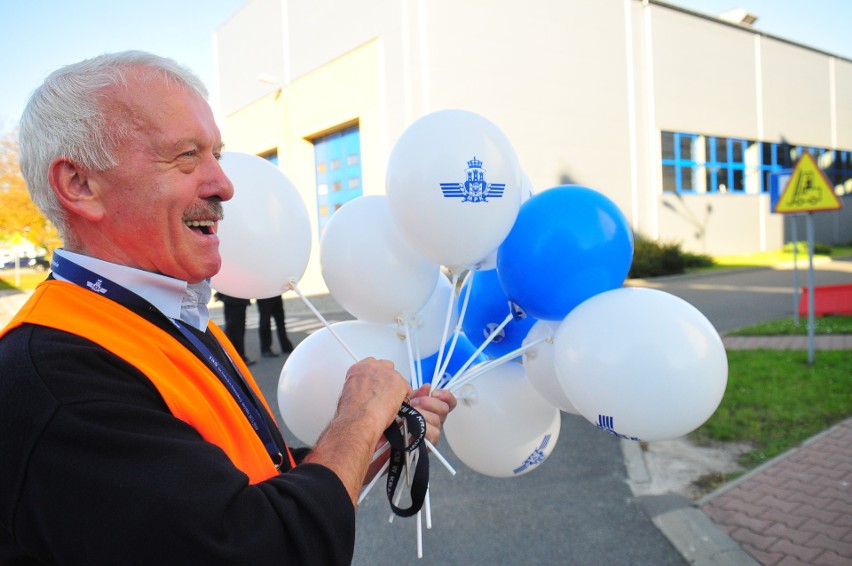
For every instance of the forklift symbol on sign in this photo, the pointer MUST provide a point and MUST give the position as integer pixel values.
(805, 192)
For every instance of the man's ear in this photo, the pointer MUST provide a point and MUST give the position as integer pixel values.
(75, 189)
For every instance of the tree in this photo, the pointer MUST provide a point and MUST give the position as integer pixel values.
(18, 214)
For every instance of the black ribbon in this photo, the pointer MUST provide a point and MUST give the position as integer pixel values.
(420, 480)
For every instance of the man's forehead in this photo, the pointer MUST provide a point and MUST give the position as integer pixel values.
(154, 106)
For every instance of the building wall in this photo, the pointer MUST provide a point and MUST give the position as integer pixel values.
(345, 91)
(841, 79)
(718, 224)
(582, 88)
(797, 95)
(561, 98)
(704, 76)
(250, 43)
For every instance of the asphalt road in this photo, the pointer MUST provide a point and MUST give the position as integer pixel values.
(577, 507)
(734, 299)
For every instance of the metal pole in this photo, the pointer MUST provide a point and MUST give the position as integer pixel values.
(811, 289)
(793, 224)
(17, 269)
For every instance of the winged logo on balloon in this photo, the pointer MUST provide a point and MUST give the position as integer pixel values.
(474, 188)
(536, 458)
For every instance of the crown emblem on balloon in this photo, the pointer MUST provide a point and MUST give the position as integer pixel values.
(475, 188)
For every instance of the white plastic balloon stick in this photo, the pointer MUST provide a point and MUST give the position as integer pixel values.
(321, 318)
(367, 488)
(436, 375)
(428, 507)
(482, 347)
(467, 283)
(419, 535)
(460, 381)
(412, 366)
(440, 457)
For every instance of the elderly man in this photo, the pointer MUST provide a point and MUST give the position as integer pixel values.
(131, 431)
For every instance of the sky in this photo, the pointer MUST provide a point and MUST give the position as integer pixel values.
(40, 36)
(823, 24)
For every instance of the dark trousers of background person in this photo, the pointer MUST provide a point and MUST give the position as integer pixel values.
(271, 309)
(235, 321)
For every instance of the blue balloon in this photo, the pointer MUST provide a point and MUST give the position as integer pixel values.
(568, 244)
(487, 308)
(462, 352)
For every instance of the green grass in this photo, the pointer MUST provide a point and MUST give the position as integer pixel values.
(28, 280)
(775, 400)
(822, 325)
(777, 257)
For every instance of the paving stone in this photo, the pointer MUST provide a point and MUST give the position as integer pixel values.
(788, 548)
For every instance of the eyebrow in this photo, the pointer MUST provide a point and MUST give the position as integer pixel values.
(178, 145)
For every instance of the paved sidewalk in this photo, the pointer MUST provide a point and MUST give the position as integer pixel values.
(823, 342)
(10, 302)
(795, 509)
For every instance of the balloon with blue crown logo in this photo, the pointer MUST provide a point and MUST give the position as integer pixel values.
(454, 185)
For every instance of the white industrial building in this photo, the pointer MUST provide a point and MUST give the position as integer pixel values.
(679, 117)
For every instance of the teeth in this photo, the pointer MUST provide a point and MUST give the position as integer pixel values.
(198, 223)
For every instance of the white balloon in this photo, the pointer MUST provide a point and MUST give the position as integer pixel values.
(641, 363)
(427, 326)
(540, 368)
(501, 427)
(312, 377)
(454, 186)
(265, 237)
(369, 267)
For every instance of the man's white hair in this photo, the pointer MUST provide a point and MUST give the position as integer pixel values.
(66, 117)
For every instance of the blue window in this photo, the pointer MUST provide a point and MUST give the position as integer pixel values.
(271, 156)
(338, 171)
(839, 172)
(772, 159)
(679, 161)
(694, 163)
(725, 168)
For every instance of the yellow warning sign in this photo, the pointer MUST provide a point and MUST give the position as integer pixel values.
(808, 190)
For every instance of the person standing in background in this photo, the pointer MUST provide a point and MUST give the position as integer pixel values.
(235, 322)
(272, 308)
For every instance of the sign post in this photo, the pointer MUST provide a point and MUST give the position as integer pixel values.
(807, 190)
(777, 181)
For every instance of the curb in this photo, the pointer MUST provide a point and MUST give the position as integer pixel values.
(683, 522)
(693, 534)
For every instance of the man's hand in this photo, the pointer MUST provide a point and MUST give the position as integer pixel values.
(372, 395)
(434, 408)
(373, 389)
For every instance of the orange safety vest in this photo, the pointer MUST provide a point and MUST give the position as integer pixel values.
(190, 389)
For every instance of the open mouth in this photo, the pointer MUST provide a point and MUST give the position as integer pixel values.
(205, 227)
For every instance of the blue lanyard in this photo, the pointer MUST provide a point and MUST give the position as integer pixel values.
(98, 284)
